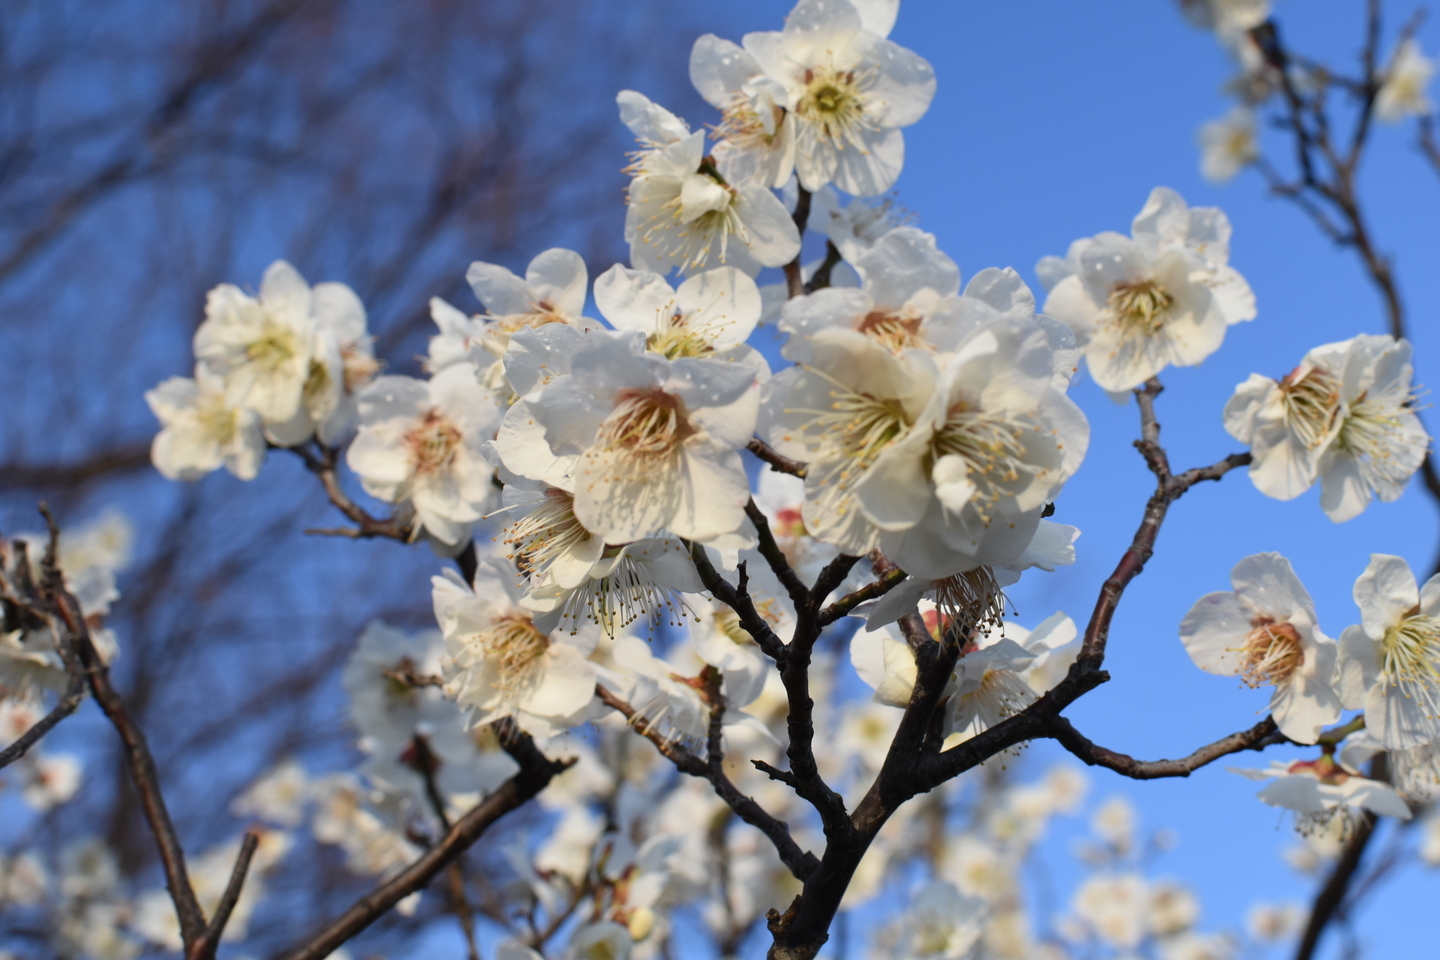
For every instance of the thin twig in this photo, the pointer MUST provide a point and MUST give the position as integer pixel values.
(536, 771)
(800, 862)
(777, 461)
(427, 765)
(1258, 737)
(204, 949)
(877, 588)
(138, 759)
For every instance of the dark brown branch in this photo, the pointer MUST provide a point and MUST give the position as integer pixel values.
(914, 763)
(777, 461)
(737, 598)
(53, 476)
(870, 591)
(204, 949)
(794, 279)
(1258, 737)
(779, 563)
(324, 466)
(141, 765)
(424, 762)
(800, 862)
(536, 772)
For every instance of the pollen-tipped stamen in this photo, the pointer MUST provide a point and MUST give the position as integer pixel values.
(973, 600)
(433, 443)
(544, 534)
(992, 447)
(1271, 654)
(1410, 659)
(1138, 308)
(1310, 402)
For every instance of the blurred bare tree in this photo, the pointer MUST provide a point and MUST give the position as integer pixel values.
(150, 150)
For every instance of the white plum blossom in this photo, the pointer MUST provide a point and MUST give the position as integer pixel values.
(552, 291)
(684, 214)
(658, 440)
(1346, 415)
(672, 705)
(279, 796)
(755, 140)
(1403, 91)
(202, 431)
(1228, 145)
(420, 442)
(839, 413)
(1162, 296)
(907, 286)
(342, 364)
(856, 226)
(1114, 907)
(1321, 792)
(390, 711)
(966, 485)
(261, 346)
(709, 315)
(642, 579)
(1265, 632)
(990, 680)
(500, 663)
(848, 92)
(1390, 661)
(1225, 16)
(1413, 771)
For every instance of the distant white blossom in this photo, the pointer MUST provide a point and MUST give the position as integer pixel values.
(1228, 145)
(1403, 91)
(201, 430)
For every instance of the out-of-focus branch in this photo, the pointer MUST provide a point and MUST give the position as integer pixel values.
(1258, 737)
(777, 461)
(219, 57)
(138, 759)
(536, 772)
(800, 862)
(54, 476)
(1326, 187)
(427, 764)
(1429, 147)
(204, 949)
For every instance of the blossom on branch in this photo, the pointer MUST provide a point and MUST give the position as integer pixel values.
(1162, 296)
(1390, 661)
(420, 443)
(1346, 415)
(1265, 632)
